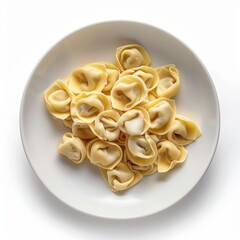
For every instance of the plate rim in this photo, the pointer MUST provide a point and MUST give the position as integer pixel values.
(218, 115)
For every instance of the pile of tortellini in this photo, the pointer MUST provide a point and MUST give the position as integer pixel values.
(122, 117)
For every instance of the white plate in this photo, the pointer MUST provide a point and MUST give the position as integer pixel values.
(82, 187)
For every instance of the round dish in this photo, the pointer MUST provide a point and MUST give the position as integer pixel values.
(81, 186)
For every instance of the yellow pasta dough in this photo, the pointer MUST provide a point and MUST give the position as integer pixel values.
(141, 150)
(86, 106)
(169, 81)
(183, 131)
(105, 125)
(144, 170)
(82, 130)
(68, 122)
(162, 113)
(151, 96)
(121, 177)
(112, 76)
(122, 118)
(134, 122)
(91, 77)
(72, 147)
(156, 138)
(147, 74)
(169, 155)
(58, 98)
(104, 154)
(127, 92)
(131, 56)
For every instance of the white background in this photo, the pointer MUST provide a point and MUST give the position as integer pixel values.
(29, 29)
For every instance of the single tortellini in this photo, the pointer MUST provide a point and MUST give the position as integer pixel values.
(162, 112)
(72, 147)
(141, 150)
(183, 131)
(104, 154)
(112, 76)
(86, 106)
(144, 170)
(82, 130)
(105, 125)
(121, 177)
(131, 56)
(91, 77)
(134, 122)
(147, 74)
(169, 81)
(169, 155)
(128, 92)
(58, 98)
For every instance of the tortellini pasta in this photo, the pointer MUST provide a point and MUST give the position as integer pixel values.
(105, 125)
(112, 76)
(121, 118)
(147, 74)
(169, 155)
(128, 92)
(135, 121)
(121, 177)
(162, 113)
(183, 131)
(131, 56)
(72, 147)
(169, 81)
(91, 77)
(144, 170)
(82, 130)
(58, 98)
(141, 150)
(86, 106)
(104, 154)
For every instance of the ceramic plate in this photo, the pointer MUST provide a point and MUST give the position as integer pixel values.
(81, 186)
